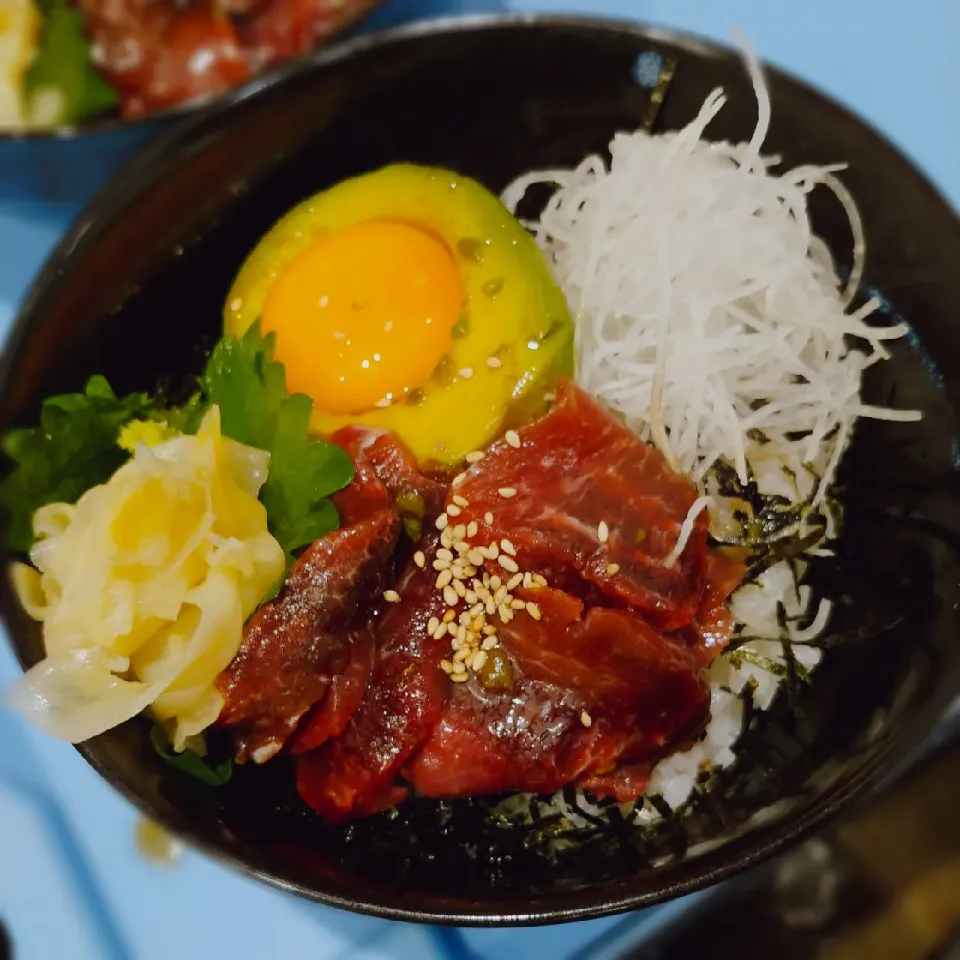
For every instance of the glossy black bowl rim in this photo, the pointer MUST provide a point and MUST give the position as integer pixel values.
(677, 879)
(198, 106)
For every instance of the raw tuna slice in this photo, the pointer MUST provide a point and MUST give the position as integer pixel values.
(594, 509)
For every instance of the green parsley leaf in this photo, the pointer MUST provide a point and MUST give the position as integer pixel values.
(249, 386)
(200, 768)
(73, 449)
(63, 70)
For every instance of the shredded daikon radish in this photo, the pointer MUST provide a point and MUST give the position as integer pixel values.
(707, 311)
(686, 528)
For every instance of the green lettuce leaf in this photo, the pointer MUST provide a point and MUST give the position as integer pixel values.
(73, 449)
(249, 387)
(204, 769)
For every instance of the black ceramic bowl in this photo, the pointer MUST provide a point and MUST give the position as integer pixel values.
(136, 289)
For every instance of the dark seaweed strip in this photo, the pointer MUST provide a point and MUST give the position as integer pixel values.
(659, 93)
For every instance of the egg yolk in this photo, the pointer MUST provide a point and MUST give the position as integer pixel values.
(364, 315)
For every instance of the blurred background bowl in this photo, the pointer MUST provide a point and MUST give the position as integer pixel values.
(63, 167)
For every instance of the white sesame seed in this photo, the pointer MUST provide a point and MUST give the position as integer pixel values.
(586, 719)
(613, 569)
(476, 610)
(517, 604)
(489, 643)
(476, 557)
(469, 571)
(460, 501)
(507, 492)
(440, 632)
(452, 629)
(471, 598)
(459, 588)
(478, 660)
(464, 618)
(420, 559)
(539, 580)
(507, 547)
(603, 531)
(491, 607)
(446, 666)
(446, 538)
(489, 630)
(476, 624)
(461, 654)
(462, 548)
(462, 635)
(475, 456)
(444, 554)
(391, 596)
(494, 363)
(501, 595)
(457, 480)
(533, 610)
(466, 372)
(472, 529)
(453, 510)
(450, 596)
(457, 571)
(508, 563)
(432, 625)
(488, 518)
(515, 581)
(441, 564)
(459, 531)
(528, 580)
(495, 582)
(513, 438)
(442, 521)
(443, 578)
(459, 677)
(459, 668)
(506, 614)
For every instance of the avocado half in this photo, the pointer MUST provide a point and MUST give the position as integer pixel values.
(514, 336)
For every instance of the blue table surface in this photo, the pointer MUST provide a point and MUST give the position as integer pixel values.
(72, 884)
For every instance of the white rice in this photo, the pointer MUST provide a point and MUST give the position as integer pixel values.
(707, 311)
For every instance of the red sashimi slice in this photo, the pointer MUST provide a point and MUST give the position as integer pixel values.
(592, 691)
(157, 56)
(354, 775)
(714, 622)
(366, 493)
(330, 718)
(593, 508)
(627, 782)
(494, 741)
(282, 29)
(622, 667)
(291, 644)
(382, 455)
